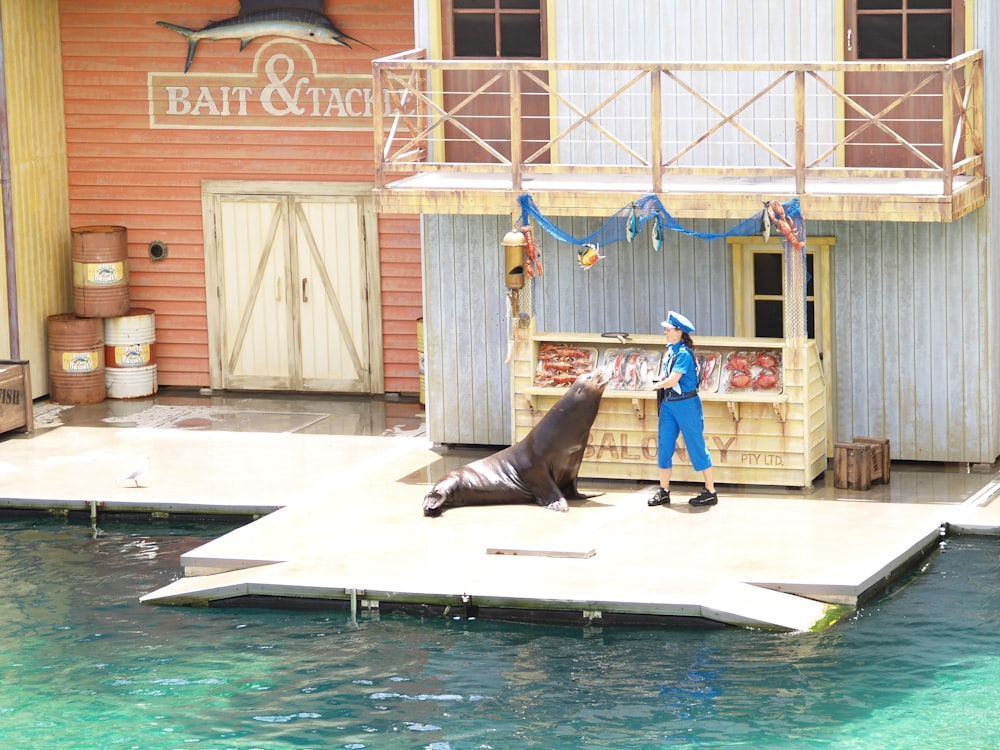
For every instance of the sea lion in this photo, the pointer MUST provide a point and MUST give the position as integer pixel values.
(542, 467)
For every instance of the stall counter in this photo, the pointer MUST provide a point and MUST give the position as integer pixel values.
(764, 402)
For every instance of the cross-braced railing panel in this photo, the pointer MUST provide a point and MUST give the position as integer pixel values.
(844, 119)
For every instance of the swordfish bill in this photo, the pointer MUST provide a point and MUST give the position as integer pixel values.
(294, 23)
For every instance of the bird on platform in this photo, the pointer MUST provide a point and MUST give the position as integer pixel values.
(136, 472)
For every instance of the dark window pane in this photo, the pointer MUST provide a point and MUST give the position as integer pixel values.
(928, 36)
(519, 4)
(929, 5)
(475, 4)
(767, 273)
(880, 37)
(810, 320)
(810, 289)
(475, 35)
(880, 4)
(520, 35)
(768, 319)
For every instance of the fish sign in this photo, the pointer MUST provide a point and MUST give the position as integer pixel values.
(293, 23)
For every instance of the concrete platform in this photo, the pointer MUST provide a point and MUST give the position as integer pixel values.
(342, 521)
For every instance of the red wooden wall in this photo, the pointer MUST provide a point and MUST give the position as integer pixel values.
(123, 172)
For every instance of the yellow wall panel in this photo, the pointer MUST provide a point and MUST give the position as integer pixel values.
(39, 192)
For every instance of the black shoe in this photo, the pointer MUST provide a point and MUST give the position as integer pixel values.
(705, 498)
(662, 497)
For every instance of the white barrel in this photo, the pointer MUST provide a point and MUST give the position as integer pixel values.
(134, 382)
(130, 354)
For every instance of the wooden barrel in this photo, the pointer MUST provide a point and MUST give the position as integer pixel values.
(76, 359)
(130, 354)
(100, 271)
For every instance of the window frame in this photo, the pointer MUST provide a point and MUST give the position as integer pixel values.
(448, 12)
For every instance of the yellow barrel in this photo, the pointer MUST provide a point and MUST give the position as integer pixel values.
(100, 271)
(76, 359)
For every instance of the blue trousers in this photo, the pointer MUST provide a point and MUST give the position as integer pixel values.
(682, 418)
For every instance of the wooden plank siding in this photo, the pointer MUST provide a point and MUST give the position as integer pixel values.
(466, 330)
(985, 23)
(122, 171)
(913, 344)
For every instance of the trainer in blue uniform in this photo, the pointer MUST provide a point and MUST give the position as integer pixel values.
(681, 412)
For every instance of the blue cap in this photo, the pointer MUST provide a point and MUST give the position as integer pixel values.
(676, 320)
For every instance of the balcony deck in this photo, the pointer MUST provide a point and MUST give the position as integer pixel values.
(711, 140)
(452, 191)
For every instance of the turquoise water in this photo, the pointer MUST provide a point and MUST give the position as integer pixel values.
(83, 665)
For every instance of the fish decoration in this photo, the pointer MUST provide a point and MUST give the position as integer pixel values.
(657, 233)
(632, 225)
(766, 224)
(588, 257)
(293, 23)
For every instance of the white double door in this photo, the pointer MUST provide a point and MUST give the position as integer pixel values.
(291, 281)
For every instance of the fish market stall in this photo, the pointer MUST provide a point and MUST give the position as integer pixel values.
(764, 403)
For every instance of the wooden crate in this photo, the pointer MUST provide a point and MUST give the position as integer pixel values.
(16, 409)
(852, 466)
(879, 457)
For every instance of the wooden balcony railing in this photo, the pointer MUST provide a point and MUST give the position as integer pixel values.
(850, 133)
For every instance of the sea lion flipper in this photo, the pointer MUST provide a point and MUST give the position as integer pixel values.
(559, 504)
(582, 496)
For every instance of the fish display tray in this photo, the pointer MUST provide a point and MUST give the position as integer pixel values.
(631, 369)
(561, 364)
(709, 369)
(752, 372)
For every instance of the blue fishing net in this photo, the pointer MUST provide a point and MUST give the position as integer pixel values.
(629, 220)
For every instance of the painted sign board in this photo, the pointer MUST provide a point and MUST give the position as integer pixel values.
(284, 89)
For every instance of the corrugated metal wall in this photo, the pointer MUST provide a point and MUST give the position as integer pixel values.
(123, 172)
(680, 30)
(38, 179)
(730, 30)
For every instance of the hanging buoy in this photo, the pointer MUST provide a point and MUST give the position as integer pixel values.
(514, 243)
(588, 256)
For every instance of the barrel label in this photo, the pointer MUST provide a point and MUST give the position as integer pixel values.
(81, 361)
(103, 274)
(132, 355)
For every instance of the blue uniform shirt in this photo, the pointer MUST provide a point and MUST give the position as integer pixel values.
(680, 358)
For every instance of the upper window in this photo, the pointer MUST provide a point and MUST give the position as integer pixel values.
(497, 28)
(904, 29)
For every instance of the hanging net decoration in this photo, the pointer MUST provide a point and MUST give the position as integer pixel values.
(782, 219)
(629, 220)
